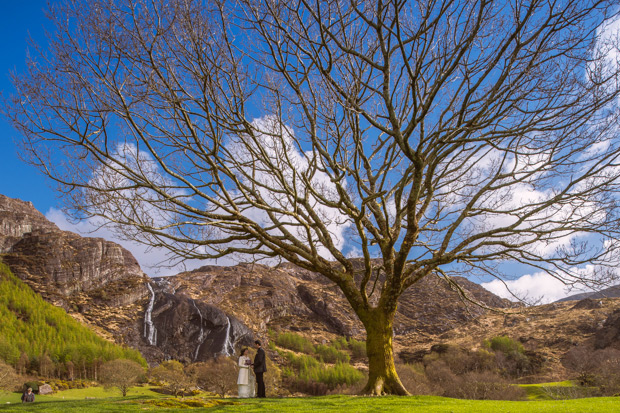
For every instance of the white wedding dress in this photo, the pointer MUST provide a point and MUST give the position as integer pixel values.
(245, 381)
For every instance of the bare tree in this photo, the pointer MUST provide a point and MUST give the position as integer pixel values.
(121, 374)
(172, 375)
(442, 137)
(8, 378)
(217, 375)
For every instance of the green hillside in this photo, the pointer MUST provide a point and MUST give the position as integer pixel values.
(37, 337)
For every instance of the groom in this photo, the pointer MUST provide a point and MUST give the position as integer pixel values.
(260, 367)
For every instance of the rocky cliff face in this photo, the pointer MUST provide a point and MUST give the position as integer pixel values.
(101, 284)
(179, 327)
(18, 218)
(61, 265)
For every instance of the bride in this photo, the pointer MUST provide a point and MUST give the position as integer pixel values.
(245, 381)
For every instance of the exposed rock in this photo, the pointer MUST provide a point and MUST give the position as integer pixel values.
(179, 327)
(45, 389)
(66, 264)
(609, 334)
(18, 218)
(588, 304)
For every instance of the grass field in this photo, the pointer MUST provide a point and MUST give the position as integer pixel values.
(144, 399)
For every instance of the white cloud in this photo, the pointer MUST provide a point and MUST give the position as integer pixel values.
(531, 288)
(542, 288)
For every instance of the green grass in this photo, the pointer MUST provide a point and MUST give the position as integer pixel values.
(97, 392)
(146, 400)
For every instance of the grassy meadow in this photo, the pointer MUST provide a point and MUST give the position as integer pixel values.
(141, 399)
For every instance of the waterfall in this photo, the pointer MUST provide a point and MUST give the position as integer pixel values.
(229, 347)
(149, 328)
(202, 332)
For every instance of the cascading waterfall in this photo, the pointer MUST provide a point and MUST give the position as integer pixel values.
(201, 336)
(150, 332)
(229, 348)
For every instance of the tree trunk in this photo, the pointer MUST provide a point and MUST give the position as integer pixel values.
(382, 376)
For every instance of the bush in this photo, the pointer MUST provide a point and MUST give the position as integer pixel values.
(600, 368)
(309, 387)
(295, 342)
(358, 348)
(173, 376)
(510, 356)
(487, 386)
(302, 362)
(330, 354)
(505, 345)
(413, 378)
(34, 385)
(218, 375)
(305, 370)
(340, 343)
(340, 374)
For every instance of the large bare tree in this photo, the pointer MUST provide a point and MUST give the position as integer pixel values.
(440, 136)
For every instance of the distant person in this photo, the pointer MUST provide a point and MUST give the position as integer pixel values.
(28, 396)
(245, 381)
(260, 367)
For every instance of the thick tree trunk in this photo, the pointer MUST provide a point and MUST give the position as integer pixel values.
(382, 376)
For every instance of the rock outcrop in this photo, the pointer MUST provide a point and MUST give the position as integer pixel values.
(18, 218)
(61, 265)
(179, 327)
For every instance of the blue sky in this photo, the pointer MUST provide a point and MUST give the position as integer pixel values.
(18, 21)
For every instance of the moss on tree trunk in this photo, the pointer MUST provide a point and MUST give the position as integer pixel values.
(382, 376)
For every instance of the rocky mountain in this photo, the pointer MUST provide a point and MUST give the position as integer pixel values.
(215, 310)
(611, 292)
(101, 284)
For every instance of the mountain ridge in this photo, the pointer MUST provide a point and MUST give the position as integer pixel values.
(215, 310)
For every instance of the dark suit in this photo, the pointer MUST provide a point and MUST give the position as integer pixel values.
(260, 367)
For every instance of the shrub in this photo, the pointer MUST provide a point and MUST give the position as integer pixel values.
(487, 386)
(7, 377)
(172, 375)
(340, 343)
(510, 356)
(295, 342)
(302, 362)
(340, 374)
(413, 378)
(330, 354)
(34, 385)
(505, 345)
(358, 348)
(599, 368)
(309, 387)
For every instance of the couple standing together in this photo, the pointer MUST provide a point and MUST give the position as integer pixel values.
(245, 381)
